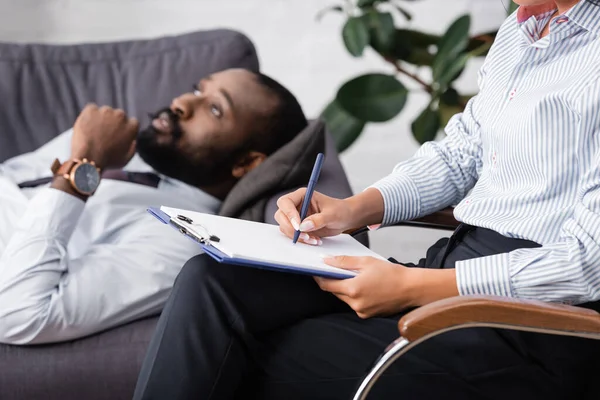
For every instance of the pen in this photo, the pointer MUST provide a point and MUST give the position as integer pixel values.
(314, 177)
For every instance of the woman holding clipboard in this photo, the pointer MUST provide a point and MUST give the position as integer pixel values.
(523, 164)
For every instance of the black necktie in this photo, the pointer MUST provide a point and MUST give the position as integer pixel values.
(142, 178)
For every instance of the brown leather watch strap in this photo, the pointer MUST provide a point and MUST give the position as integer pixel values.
(65, 168)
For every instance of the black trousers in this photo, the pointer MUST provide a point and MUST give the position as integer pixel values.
(234, 332)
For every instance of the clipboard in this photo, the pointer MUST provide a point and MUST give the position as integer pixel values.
(184, 222)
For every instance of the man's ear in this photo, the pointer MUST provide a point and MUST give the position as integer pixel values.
(247, 163)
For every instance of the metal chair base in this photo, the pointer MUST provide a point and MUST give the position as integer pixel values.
(391, 354)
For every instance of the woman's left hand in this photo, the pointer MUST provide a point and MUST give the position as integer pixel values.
(380, 288)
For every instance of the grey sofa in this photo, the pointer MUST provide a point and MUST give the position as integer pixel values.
(42, 89)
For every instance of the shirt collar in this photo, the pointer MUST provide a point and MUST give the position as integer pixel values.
(584, 14)
(526, 12)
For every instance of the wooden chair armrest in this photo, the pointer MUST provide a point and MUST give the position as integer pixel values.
(443, 219)
(499, 312)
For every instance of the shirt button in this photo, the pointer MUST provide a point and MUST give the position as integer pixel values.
(562, 19)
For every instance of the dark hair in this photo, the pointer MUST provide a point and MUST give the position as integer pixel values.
(283, 124)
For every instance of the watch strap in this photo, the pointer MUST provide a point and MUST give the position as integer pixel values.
(65, 168)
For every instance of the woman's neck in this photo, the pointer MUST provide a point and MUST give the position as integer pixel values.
(565, 5)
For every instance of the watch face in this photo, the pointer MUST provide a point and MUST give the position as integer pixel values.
(86, 178)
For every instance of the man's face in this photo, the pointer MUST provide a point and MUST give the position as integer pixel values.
(203, 134)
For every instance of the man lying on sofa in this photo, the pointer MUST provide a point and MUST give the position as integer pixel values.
(78, 251)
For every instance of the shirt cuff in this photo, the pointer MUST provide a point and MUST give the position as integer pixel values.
(400, 198)
(485, 275)
(53, 213)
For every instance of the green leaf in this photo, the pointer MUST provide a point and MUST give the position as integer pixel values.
(324, 11)
(454, 42)
(343, 127)
(382, 31)
(450, 104)
(417, 38)
(413, 47)
(404, 13)
(456, 38)
(450, 97)
(464, 98)
(481, 50)
(512, 7)
(426, 126)
(356, 36)
(453, 70)
(366, 3)
(477, 41)
(373, 97)
(420, 57)
(446, 112)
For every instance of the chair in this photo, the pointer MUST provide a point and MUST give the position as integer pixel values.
(479, 312)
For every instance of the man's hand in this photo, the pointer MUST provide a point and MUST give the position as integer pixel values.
(104, 135)
(383, 288)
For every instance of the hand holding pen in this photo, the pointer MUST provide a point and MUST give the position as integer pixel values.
(325, 216)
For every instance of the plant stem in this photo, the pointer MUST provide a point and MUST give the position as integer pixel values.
(484, 38)
(401, 70)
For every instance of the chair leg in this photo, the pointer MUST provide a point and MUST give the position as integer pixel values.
(391, 354)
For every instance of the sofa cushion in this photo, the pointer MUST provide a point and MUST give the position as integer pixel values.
(44, 87)
(100, 367)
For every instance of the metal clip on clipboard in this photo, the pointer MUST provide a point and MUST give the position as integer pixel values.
(204, 239)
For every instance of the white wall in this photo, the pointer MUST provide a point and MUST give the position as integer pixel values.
(306, 55)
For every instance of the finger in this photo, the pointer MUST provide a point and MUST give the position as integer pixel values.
(349, 295)
(133, 126)
(289, 204)
(339, 287)
(288, 230)
(347, 262)
(284, 224)
(131, 151)
(322, 282)
(344, 298)
(87, 110)
(104, 109)
(312, 240)
(314, 222)
(120, 113)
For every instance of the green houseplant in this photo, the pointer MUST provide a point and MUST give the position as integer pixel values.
(378, 97)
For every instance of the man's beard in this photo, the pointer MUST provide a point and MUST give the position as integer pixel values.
(199, 167)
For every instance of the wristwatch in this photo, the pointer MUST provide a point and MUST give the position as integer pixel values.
(83, 175)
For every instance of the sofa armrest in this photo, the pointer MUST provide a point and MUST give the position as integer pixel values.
(499, 312)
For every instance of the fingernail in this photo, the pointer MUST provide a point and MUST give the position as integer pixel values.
(312, 241)
(307, 226)
(305, 237)
(295, 224)
(319, 242)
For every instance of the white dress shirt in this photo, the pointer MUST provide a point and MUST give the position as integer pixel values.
(523, 159)
(70, 268)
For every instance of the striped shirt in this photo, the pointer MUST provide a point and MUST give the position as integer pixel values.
(523, 159)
